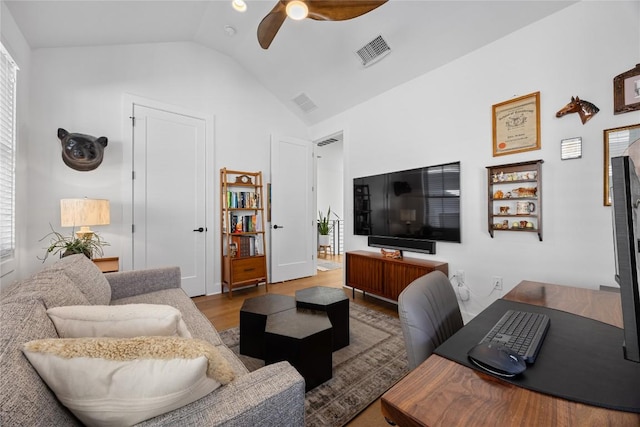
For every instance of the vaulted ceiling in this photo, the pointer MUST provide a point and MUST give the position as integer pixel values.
(314, 58)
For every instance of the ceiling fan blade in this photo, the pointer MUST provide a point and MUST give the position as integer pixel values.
(270, 25)
(340, 10)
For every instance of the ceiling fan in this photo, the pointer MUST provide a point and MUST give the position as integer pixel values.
(319, 10)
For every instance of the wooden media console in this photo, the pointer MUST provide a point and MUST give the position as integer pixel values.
(386, 277)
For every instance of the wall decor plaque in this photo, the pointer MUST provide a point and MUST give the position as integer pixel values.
(516, 125)
(626, 91)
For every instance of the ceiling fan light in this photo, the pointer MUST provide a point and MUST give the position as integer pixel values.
(239, 5)
(297, 10)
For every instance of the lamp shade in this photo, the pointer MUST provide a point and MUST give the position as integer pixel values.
(84, 212)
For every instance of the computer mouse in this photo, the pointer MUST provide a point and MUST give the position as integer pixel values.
(497, 359)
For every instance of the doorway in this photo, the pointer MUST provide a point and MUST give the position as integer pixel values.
(330, 191)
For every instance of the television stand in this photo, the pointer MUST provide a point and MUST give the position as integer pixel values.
(386, 277)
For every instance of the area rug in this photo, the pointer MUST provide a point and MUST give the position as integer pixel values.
(328, 265)
(374, 360)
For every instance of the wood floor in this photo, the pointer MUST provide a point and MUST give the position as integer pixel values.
(224, 313)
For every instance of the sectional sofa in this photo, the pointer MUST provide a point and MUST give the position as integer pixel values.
(270, 396)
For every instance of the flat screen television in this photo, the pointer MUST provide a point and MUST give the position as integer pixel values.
(626, 226)
(409, 209)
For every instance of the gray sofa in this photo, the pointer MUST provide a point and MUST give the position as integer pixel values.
(270, 396)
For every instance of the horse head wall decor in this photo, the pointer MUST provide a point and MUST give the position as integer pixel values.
(81, 152)
(585, 108)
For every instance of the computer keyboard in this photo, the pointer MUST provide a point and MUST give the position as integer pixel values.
(521, 331)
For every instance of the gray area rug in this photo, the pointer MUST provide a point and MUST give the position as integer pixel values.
(328, 265)
(374, 360)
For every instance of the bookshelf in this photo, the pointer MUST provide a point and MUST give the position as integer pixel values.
(243, 249)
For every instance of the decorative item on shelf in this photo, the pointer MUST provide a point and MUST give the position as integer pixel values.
(516, 125)
(529, 192)
(585, 109)
(525, 208)
(626, 91)
(81, 152)
(391, 254)
(243, 179)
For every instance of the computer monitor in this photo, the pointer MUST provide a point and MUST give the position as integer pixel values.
(626, 229)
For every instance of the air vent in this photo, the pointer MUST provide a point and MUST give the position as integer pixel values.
(327, 142)
(373, 51)
(305, 103)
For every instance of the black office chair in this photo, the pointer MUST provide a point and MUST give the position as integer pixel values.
(429, 314)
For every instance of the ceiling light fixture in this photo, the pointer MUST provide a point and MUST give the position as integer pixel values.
(239, 5)
(297, 10)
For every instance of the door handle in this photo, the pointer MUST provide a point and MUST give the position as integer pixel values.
(201, 229)
(276, 226)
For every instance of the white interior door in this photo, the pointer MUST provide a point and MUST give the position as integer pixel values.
(293, 222)
(169, 194)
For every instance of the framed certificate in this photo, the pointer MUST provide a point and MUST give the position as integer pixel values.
(516, 125)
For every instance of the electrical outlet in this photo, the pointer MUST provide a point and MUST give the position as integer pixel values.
(460, 276)
(497, 282)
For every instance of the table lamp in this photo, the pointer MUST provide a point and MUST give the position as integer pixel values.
(84, 213)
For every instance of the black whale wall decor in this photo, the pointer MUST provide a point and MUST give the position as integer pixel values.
(81, 152)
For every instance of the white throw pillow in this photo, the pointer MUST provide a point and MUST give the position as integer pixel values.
(119, 321)
(120, 382)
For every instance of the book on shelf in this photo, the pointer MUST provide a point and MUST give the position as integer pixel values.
(243, 200)
(245, 223)
(246, 246)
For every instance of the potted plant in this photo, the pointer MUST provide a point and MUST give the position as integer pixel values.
(89, 245)
(324, 228)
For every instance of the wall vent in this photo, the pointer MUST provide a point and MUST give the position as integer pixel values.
(327, 141)
(373, 51)
(304, 103)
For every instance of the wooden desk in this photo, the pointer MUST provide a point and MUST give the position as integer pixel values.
(440, 392)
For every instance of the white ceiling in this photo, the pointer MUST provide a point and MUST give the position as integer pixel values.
(312, 57)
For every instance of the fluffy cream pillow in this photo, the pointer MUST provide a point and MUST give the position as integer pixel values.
(119, 321)
(118, 382)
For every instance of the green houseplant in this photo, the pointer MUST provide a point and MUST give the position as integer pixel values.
(324, 228)
(89, 245)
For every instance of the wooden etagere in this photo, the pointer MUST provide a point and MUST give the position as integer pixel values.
(243, 248)
(515, 197)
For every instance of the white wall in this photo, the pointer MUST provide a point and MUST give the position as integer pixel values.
(445, 116)
(82, 90)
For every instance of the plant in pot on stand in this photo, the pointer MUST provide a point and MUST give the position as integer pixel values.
(324, 228)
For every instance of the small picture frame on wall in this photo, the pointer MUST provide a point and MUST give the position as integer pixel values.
(571, 148)
(626, 91)
(516, 125)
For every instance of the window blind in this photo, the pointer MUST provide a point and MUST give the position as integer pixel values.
(8, 76)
